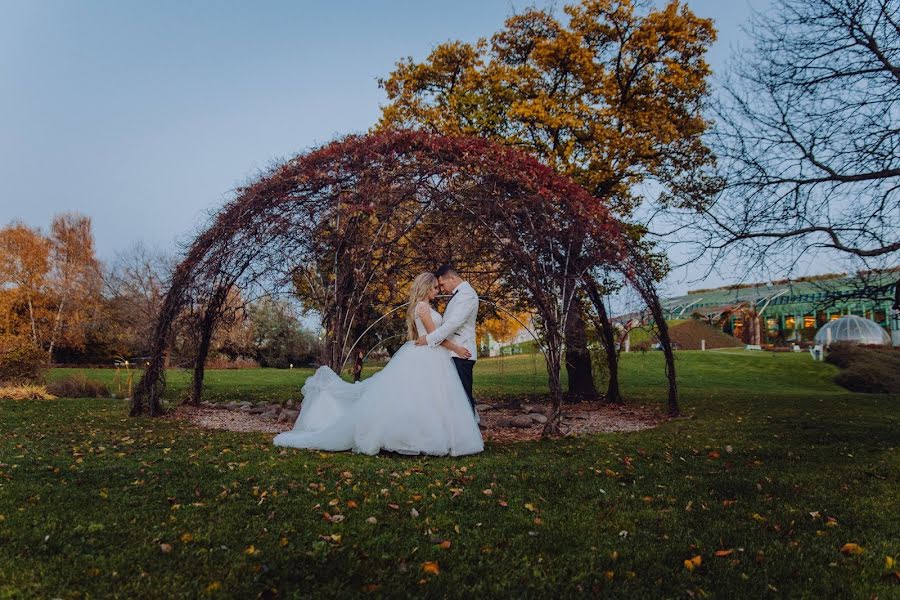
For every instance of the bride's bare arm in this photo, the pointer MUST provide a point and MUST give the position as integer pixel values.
(424, 312)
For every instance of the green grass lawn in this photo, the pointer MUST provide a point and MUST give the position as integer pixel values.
(643, 376)
(777, 470)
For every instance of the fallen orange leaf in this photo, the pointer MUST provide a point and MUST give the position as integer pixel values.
(724, 552)
(692, 563)
(431, 567)
(851, 548)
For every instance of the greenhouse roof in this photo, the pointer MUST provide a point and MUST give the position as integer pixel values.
(816, 290)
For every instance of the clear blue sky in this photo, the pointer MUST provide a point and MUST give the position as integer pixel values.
(144, 115)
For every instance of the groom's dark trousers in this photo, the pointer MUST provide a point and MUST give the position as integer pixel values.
(464, 368)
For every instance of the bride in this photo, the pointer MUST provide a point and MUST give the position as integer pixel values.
(416, 404)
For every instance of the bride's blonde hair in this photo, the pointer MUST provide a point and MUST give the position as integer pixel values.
(418, 291)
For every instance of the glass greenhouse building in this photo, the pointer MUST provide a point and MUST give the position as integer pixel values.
(794, 311)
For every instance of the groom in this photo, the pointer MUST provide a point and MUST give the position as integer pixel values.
(459, 324)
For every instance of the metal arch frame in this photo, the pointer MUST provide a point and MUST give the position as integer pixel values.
(368, 329)
(380, 343)
(396, 308)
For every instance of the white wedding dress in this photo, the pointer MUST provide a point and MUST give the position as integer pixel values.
(415, 405)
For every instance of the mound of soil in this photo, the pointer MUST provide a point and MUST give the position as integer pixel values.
(866, 369)
(687, 336)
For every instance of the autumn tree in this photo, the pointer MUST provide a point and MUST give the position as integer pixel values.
(503, 326)
(76, 279)
(612, 99)
(51, 285)
(24, 285)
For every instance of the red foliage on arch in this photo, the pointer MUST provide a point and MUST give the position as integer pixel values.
(407, 191)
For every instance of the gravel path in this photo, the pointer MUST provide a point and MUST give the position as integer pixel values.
(510, 422)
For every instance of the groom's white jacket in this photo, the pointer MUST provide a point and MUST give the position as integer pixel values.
(459, 320)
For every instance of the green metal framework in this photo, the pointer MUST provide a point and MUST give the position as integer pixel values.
(793, 311)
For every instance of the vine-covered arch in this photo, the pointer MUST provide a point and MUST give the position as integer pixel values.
(348, 224)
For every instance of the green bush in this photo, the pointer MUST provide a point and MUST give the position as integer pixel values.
(21, 361)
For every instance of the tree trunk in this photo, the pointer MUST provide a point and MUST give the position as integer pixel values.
(207, 328)
(56, 327)
(206, 333)
(358, 366)
(656, 310)
(608, 339)
(578, 357)
(147, 392)
(34, 335)
(554, 359)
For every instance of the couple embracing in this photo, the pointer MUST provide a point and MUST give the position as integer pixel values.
(421, 402)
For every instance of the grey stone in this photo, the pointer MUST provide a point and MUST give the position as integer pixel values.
(270, 414)
(484, 407)
(520, 421)
(288, 416)
(538, 418)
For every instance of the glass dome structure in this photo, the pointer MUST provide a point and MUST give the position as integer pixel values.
(853, 329)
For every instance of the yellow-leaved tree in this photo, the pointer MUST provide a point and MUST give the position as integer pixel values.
(611, 98)
(50, 286)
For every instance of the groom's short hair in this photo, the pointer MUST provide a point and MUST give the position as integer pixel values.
(445, 270)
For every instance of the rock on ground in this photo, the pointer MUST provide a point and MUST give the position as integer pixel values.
(288, 416)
